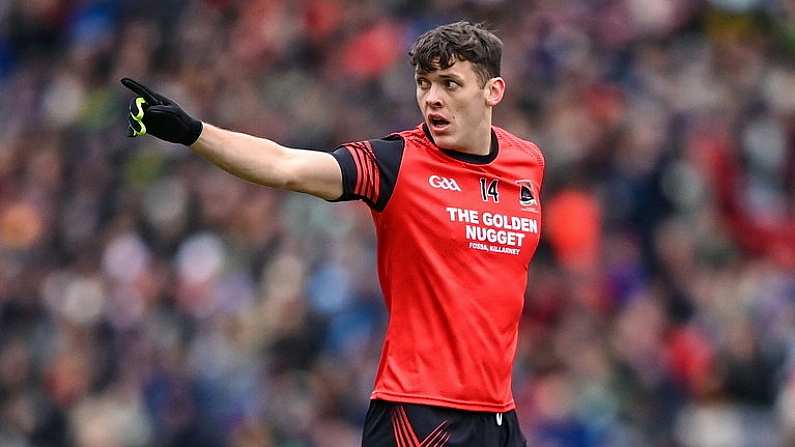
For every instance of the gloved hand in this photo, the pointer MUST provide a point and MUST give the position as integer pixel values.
(153, 113)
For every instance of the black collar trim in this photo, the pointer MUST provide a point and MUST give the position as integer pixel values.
(469, 158)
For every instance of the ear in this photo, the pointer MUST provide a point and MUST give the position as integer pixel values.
(494, 91)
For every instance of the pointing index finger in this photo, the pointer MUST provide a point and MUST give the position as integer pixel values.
(141, 90)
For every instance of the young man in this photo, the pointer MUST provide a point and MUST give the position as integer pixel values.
(456, 207)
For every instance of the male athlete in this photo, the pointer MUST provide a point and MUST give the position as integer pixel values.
(456, 207)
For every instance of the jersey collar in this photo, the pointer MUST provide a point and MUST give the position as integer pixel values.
(468, 158)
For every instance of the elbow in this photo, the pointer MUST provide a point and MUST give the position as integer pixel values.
(287, 177)
(288, 183)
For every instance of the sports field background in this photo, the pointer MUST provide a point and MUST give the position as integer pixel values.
(148, 298)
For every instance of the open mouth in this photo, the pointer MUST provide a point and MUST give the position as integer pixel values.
(438, 123)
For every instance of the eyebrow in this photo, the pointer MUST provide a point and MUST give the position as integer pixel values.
(452, 76)
(443, 77)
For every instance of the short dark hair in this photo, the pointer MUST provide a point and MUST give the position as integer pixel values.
(442, 46)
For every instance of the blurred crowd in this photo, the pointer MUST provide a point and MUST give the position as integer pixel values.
(147, 298)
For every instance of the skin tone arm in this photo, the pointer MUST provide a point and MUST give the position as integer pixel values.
(268, 163)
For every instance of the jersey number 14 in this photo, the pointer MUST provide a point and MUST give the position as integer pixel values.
(489, 190)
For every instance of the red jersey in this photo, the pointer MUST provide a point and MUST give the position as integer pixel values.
(455, 234)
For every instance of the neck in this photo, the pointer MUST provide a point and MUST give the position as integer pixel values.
(480, 139)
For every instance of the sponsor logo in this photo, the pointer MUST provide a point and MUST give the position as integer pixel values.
(439, 182)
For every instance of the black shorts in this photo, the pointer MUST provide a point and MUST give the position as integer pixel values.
(393, 424)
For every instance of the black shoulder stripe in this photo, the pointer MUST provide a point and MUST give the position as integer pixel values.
(388, 154)
(370, 169)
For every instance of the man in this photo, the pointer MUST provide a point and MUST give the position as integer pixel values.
(456, 208)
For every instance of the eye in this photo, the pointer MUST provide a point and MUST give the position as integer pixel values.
(451, 85)
(423, 83)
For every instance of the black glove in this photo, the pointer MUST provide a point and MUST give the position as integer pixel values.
(157, 115)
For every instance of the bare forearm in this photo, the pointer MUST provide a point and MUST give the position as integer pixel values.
(254, 159)
(268, 163)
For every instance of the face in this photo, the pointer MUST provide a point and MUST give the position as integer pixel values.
(455, 106)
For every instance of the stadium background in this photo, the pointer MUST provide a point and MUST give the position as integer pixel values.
(148, 298)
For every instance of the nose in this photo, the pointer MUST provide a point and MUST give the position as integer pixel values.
(433, 98)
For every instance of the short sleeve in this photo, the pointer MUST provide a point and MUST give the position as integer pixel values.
(370, 169)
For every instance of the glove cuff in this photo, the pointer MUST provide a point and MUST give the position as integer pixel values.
(195, 128)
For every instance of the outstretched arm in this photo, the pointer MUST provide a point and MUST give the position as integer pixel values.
(268, 163)
(254, 159)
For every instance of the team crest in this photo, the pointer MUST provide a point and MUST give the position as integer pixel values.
(528, 195)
